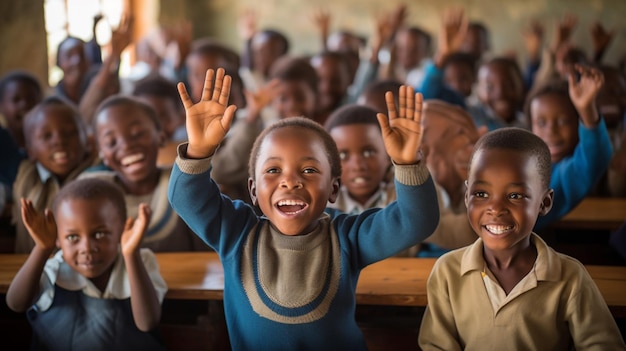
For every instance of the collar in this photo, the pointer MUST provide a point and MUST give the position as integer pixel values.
(547, 265)
(43, 173)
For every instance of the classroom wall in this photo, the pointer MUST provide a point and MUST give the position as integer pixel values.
(23, 37)
(23, 41)
(505, 18)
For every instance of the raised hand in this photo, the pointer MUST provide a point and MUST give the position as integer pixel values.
(583, 92)
(452, 34)
(41, 226)
(533, 40)
(209, 120)
(402, 132)
(256, 101)
(247, 24)
(321, 19)
(134, 230)
(122, 36)
(600, 38)
(563, 31)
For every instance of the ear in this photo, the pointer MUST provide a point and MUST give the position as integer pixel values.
(336, 184)
(252, 191)
(546, 203)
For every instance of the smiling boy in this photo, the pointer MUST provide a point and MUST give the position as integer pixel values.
(291, 274)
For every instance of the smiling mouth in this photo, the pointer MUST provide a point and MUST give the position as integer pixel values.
(359, 181)
(128, 160)
(498, 229)
(291, 207)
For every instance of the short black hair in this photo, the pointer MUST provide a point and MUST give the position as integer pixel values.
(289, 69)
(280, 38)
(158, 86)
(555, 86)
(461, 58)
(92, 189)
(521, 140)
(210, 46)
(32, 117)
(351, 114)
(22, 77)
(300, 122)
(131, 101)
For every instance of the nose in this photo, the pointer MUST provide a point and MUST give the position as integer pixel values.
(88, 245)
(356, 162)
(497, 206)
(290, 181)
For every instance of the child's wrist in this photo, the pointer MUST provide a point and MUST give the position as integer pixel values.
(589, 116)
(196, 152)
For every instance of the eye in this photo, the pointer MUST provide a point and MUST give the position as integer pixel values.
(99, 235)
(309, 170)
(368, 153)
(343, 155)
(516, 196)
(109, 142)
(72, 238)
(272, 170)
(480, 194)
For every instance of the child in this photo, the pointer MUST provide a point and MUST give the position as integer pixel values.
(19, 92)
(459, 73)
(77, 73)
(509, 290)
(302, 296)
(333, 72)
(580, 151)
(374, 94)
(129, 134)
(99, 291)
(57, 147)
(263, 49)
(411, 51)
(364, 162)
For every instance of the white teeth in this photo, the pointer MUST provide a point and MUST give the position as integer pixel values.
(498, 229)
(132, 159)
(358, 180)
(290, 203)
(59, 155)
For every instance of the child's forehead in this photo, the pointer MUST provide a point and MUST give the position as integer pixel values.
(53, 113)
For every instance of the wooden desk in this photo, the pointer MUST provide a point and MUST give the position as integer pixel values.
(392, 282)
(595, 213)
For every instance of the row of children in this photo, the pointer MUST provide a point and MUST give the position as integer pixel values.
(293, 172)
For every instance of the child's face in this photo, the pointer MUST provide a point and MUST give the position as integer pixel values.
(333, 82)
(555, 121)
(449, 138)
(169, 114)
(89, 233)
(459, 77)
(18, 98)
(294, 98)
(504, 197)
(128, 142)
(293, 181)
(410, 49)
(56, 141)
(364, 160)
(475, 42)
(499, 89)
(197, 65)
(72, 59)
(265, 51)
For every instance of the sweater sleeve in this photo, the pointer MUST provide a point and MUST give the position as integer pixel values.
(380, 233)
(433, 87)
(573, 177)
(216, 219)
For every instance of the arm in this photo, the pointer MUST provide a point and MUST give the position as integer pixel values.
(533, 41)
(247, 28)
(106, 81)
(601, 39)
(143, 297)
(321, 18)
(25, 286)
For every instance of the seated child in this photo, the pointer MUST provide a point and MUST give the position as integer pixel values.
(449, 136)
(509, 290)
(19, 92)
(58, 152)
(100, 291)
(565, 117)
(129, 134)
(333, 72)
(364, 161)
(262, 50)
(292, 272)
(459, 73)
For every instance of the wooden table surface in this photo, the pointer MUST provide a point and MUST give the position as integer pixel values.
(392, 282)
(595, 213)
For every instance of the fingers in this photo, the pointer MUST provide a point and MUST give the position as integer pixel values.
(184, 96)
(219, 85)
(384, 123)
(208, 85)
(391, 105)
(419, 105)
(402, 101)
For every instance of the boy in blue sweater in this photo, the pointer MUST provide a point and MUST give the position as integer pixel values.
(291, 274)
